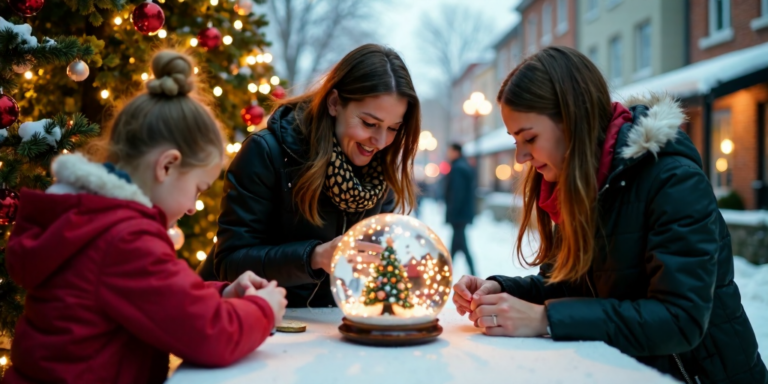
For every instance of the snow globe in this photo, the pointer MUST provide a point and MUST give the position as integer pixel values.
(391, 275)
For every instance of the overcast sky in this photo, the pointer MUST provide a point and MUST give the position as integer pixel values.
(399, 29)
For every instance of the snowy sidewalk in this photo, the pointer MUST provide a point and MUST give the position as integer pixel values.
(492, 242)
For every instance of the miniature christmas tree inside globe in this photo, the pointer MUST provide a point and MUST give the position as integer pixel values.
(391, 271)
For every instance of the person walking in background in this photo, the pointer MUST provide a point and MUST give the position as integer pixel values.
(460, 202)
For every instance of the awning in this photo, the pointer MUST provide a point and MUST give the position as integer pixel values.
(494, 141)
(701, 78)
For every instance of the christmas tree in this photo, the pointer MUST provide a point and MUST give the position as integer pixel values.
(391, 284)
(57, 92)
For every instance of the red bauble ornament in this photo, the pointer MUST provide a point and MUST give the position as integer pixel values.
(26, 7)
(209, 38)
(278, 92)
(9, 205)
(9, 111)
(252, 114)
(148, 18)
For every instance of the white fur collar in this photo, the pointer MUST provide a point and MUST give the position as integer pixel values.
(75, 174)
(655, 129)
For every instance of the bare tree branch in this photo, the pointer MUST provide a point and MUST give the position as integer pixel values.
(452, 38)
(311, 34)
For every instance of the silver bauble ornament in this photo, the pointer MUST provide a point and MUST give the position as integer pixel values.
(78, 70)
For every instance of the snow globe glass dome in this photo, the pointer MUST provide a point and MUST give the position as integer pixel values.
(391, 275)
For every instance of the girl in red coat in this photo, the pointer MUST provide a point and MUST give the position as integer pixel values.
(107, 299)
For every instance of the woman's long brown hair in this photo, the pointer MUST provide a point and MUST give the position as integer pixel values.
(564, 85)
(369, 70)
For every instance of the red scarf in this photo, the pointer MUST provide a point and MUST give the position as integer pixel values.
(548, 199)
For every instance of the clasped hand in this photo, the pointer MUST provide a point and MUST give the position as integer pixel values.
(496, 312)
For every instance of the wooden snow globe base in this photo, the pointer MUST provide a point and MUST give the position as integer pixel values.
(390, 335)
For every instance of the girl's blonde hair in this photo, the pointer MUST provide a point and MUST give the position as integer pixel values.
(169, 112)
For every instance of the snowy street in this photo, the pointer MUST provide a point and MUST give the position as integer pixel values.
(491, 243)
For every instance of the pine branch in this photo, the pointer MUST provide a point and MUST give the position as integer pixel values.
(64, 51)
(9, 172)
(78, 133)
(35, 146)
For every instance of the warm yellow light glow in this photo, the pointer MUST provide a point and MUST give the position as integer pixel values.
(485, 107)
(201, 255)
(518, 167)
(131, 60)
(118, 20)
(250, 60)
(253, 88)
(162, 33)
(721, 164)
(503, 172)
(104, 94)
(3, 360)
(214, 2)
(217, 91)
(264, 88)
(251, 128)
(267, 57)
(274, 80)
(259, 58)
(237, 146)
(227, 40)
(469, 107)
(144, 76)
(432, 170)
(28, 75)
(477, 97)
(193, 42)
(215, 239)
(726, 146)
(196, 70)
(238, 25)
(199, 205)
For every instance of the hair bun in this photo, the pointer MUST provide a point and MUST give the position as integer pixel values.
(173, 74)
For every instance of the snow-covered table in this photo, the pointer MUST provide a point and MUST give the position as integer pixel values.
(460, 355)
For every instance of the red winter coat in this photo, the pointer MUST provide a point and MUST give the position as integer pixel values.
(107, 299)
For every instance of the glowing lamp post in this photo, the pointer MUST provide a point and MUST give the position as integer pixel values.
(475, 107)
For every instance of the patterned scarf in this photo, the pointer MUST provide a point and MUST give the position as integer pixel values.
(346, 191)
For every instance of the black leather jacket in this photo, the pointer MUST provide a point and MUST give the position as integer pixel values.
(261, 230)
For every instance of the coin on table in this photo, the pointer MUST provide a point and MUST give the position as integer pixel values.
(292, 326)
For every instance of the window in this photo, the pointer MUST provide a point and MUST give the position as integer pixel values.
(593, 10)
(720, 30)
(546, 24)
(530, 35)
(643, 50)
(762, 21)
(614, 59)
(562, 17)
(501, 63)
(722, 151)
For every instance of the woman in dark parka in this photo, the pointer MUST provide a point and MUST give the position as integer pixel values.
(328, 159)
(633, 249)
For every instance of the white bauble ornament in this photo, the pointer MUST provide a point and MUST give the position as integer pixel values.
(244, 7)
(177, 236)
(78, 70)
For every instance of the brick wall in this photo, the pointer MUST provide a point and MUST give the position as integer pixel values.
(742, 13)
(567, 39)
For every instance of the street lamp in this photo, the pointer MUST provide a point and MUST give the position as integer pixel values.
(477, 106)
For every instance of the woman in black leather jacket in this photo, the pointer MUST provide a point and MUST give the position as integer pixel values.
(328, 159)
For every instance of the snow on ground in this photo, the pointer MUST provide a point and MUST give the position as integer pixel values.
(491, 244)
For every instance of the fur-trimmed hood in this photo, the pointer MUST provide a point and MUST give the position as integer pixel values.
(76, 174)
(656, 124)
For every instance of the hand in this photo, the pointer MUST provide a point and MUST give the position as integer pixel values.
(275, 296)
(469, 289)
(322, 255)
(514, 317)
(245, 282)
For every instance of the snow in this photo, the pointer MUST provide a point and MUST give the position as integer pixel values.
(25, 33)
(747, 218)
(495, 141)
(699, 78)
(29, 129)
